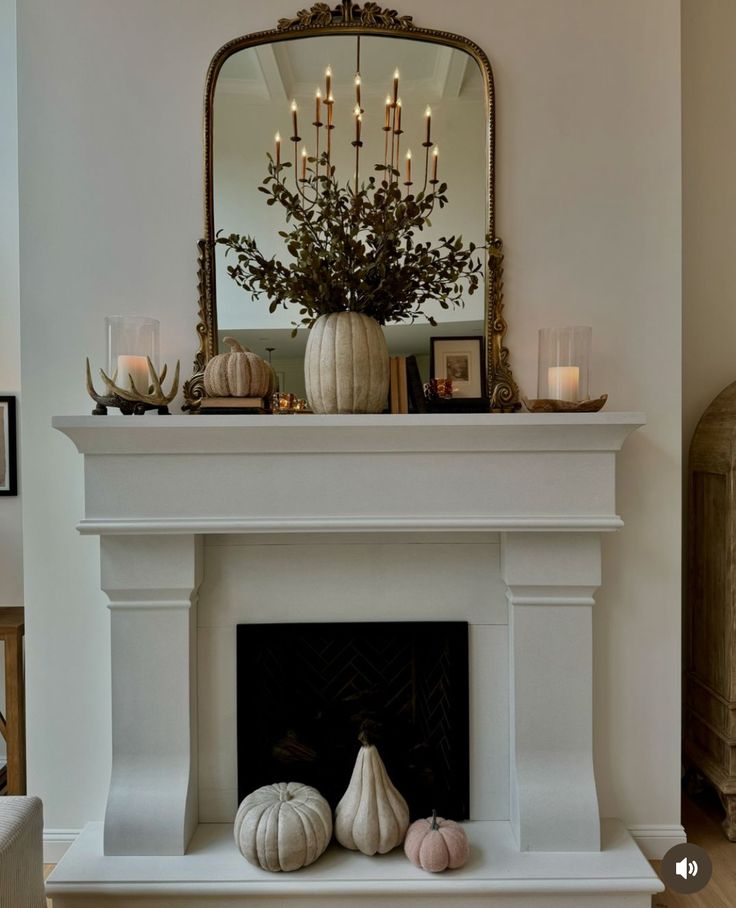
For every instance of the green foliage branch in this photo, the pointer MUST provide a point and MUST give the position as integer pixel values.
(356, 249)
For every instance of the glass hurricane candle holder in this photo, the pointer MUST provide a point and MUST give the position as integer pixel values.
(131, 339)
(564, 363)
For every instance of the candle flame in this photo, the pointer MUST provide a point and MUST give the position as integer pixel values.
(319, 93)
(293, 105)
(356, 110)
(436, 151)
(357, 78)
(388, 101)
(304, 151)
(428, 111)
(277, 137)
(408, 155)
(328, 71)
(396, 73)
(331, 99)
(398, 103)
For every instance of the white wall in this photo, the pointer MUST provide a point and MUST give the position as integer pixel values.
(11, 535)
(589, 208)
(11, 552)
(709, 198)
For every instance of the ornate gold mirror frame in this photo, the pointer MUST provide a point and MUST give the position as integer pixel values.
(349, 18)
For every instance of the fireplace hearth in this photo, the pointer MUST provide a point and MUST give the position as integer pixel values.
(306, 691)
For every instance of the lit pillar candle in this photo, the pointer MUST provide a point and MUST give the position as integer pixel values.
(294, 121)
(318, 106)
(428, 117)
(277, 140)
(396, 86)
(563, 382)
(435, 158)
(408, 166)
(328, 82)
(304, 163)
(137, 368)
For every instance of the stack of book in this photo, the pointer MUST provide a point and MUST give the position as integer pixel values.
(233, 405)
(405, 386)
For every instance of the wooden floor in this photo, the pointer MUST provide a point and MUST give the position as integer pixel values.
(702, 822)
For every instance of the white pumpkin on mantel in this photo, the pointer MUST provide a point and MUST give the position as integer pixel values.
(284, 826)
(372, 816)
(346, 364)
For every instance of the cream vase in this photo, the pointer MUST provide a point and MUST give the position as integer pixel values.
(346, 364)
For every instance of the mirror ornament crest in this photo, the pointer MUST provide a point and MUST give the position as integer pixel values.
(355, 19)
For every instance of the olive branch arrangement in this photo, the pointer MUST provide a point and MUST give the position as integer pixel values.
(355, 247)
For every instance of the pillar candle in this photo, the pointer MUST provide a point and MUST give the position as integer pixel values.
(563, 382)
(134, 366)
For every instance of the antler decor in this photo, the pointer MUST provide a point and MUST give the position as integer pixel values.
(132, 400)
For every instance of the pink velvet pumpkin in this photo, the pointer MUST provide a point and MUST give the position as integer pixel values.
(436, 844)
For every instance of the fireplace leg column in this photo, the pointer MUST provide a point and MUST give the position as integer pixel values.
(152, 583)
(551, 579)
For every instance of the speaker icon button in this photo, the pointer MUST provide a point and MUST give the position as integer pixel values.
(686, 868)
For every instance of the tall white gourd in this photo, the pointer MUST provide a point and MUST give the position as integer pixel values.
(372, 816)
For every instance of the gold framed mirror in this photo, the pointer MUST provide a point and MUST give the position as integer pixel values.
(249, 90)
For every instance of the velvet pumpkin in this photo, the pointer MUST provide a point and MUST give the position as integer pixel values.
(239, 373)
(436, 844)
(283, 826)
(372, 816)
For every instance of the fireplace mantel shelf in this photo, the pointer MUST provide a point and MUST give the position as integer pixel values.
(324, 474)
(546, 483)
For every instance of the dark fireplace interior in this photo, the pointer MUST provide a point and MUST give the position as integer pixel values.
(306, 691)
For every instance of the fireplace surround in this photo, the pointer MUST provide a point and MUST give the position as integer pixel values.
(542, 486)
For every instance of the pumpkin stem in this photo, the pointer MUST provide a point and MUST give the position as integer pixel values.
(434, 826)
(234, 345)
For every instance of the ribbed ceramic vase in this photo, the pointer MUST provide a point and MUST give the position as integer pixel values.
(346, 364)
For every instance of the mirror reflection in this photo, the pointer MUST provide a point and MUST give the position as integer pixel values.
(441, 90)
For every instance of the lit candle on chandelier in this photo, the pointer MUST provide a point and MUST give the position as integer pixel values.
(330, 102)
(398, 116)
(408, 166)
(294, 109)
(358, 121)
(318, 106)
(388, 113)
(304, 163)
(396, 86)
(357, 89)
(435, 157)
(278, 149)
(428, 117)
(328, 82)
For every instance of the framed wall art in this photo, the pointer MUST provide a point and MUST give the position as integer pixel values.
(8, 456)
(461, 360)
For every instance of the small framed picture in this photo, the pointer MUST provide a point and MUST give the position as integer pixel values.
(8, 463)
(461, 360)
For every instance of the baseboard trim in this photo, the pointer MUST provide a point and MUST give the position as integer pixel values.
(56, 842)
(656, 841)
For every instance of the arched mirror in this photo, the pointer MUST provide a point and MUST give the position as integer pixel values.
(320, 70)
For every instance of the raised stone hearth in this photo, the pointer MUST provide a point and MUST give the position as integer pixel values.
(544, 483)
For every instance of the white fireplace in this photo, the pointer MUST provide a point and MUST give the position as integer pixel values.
(206, 522)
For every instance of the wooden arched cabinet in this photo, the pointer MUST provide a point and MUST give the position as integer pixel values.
(710, 603)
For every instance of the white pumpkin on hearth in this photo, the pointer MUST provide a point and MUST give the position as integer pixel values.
(284, 826)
